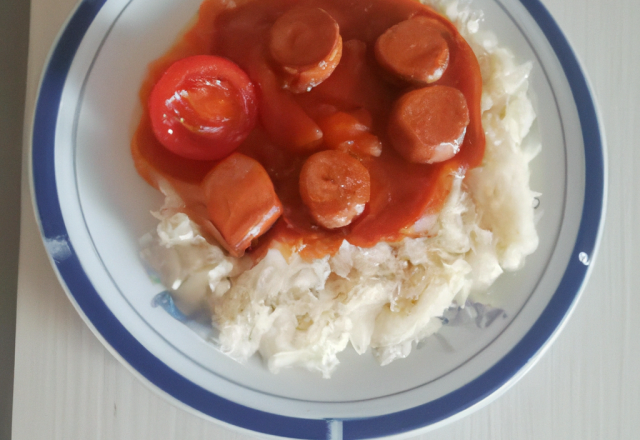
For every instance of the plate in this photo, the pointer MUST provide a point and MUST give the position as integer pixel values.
(92, 209)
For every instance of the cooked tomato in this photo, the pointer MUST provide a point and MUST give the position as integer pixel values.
(203, 107)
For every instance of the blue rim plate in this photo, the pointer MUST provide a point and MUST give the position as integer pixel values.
(580, 215)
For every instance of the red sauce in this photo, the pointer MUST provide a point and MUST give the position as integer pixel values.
(401, 192)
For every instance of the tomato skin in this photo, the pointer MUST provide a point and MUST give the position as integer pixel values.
(203, 107)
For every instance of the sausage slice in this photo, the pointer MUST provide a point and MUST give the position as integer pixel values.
(241, 201)
(414, 50)
(306, 43)
(428, 125)
(335, 187)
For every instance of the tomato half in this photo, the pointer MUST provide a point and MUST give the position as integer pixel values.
(203, 107)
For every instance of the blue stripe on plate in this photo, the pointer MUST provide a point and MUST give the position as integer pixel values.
(53, 228)
(46, 116)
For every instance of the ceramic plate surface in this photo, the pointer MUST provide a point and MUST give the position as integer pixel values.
(93, 208)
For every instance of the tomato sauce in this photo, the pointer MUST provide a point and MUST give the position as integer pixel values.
(288, 133)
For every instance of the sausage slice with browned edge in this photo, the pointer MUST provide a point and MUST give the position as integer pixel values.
(414, 50)
(335, 187)
(306, 43)
(428, 125)
(241, 201)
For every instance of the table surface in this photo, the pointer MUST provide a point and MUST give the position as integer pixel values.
(587, 385)
(14, 42)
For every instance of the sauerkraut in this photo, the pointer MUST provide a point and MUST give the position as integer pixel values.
(298, 313)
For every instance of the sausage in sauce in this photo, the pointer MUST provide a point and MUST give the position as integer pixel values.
(335, 187)
(306, 43)
(428, 125)
(414, 50)
(241, 201)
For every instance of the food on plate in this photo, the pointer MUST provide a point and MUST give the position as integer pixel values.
(203, 107)
(241, 202)
(307, 45)
(427, 125)
(335, 187)
(416, 50)
(351, 132)
(383, 180)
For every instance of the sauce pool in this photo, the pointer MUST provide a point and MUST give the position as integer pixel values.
(402, 193)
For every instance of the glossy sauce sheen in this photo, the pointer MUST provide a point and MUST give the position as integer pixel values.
(401, 192)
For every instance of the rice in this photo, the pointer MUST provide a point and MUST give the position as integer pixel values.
(296, 313)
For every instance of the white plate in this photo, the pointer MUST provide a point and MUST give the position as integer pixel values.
(93, 207)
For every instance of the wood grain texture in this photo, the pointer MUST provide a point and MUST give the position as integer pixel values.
(587, 385)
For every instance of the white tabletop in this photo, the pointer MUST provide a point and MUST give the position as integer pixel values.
(587, 385)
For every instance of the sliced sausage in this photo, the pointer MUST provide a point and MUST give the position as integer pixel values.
(306, 43)
(335, 187)
(241, 201)
(428, 125)
(414, 50)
